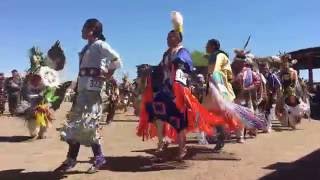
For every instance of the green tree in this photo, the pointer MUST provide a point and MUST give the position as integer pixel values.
(198, 59)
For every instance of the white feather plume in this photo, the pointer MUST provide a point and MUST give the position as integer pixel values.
(276, 58)
(294, 61)
(177, 21)
(250, 56)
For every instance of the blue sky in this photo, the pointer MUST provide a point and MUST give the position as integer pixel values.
(137, 29)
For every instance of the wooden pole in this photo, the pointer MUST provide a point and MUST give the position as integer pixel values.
(310, 76)
(310, 70)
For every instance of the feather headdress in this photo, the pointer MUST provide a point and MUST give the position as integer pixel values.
(242, 54)
(177, 21)
(285, 57)
(56, 58)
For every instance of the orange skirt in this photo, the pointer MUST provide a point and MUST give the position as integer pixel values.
(198, 117)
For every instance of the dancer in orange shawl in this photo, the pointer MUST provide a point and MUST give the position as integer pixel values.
(168, 108)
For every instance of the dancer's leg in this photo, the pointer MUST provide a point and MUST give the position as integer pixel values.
(160, 128)
(43, 130)
(73, 150)
(71, 160)
(239, 135)
(97, 150)
(269, 112)
(182, 144)
(11, 103)
(99, 159)
(111, 111)
(220, 138)
(202, 138)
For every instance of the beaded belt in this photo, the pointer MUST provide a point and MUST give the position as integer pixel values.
(91, 72)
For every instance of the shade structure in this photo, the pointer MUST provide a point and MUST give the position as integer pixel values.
(308, 58)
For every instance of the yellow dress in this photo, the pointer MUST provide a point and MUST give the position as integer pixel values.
(222, 74)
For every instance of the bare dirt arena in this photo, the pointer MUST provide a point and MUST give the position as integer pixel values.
(283, 154)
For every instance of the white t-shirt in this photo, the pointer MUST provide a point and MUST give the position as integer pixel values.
(98, 55)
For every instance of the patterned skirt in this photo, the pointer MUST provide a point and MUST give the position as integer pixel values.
(83, 124)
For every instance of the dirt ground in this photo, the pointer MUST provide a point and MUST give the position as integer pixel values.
(283, 154)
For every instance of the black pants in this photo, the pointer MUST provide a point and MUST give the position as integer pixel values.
(2, 107)
(220, 134)
(75, 147)
(13, 101)
(111, 110)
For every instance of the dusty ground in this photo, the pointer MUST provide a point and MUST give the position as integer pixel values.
(279, 155)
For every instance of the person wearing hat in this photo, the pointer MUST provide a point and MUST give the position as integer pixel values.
(176, 64)
(167, 98)
(248, 83)
(291, 106)
(13, 88)
(167, 108)
(289, 79)
(273, 86)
